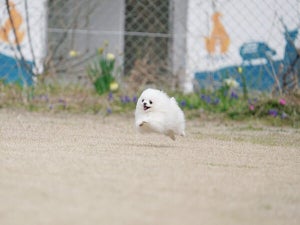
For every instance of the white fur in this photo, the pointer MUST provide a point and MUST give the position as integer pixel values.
(164, 115)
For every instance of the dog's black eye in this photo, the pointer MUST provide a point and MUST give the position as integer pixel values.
(142, 100)
(150, 102)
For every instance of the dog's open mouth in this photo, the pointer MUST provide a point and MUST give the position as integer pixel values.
(146, 107)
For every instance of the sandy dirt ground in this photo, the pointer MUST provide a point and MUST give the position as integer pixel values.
(86, 169)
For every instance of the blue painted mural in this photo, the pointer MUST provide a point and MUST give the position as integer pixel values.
(13, 70)
(258, 76)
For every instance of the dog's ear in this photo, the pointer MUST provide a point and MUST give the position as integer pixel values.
(173, 100)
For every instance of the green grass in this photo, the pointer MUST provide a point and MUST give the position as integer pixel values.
(220, 104)
(235, 107)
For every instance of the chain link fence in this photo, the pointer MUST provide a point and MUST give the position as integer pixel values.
(173, 43)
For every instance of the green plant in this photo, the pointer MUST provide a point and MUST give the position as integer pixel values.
(243, 82)
(222, 103)
(101, 72)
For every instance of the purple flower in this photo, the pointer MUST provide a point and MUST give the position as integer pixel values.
(216, 101)
(206, 98)
(108, 111)
(63, 102)
(273, 112)
(110, 96)
(134, 99)
(183, 103)
(234, 95)
(125, 99)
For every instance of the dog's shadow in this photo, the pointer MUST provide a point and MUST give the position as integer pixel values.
(152, 145)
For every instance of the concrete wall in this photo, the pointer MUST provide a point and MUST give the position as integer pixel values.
(83, 26)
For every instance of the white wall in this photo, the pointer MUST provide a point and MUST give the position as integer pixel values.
(244, 21)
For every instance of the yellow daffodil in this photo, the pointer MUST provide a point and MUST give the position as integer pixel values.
(100, 50)
(232, 83)
(73, 53)
(113, 86)
(110, 57)
(240, 69)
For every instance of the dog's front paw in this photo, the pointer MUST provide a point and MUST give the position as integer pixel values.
(142, 123)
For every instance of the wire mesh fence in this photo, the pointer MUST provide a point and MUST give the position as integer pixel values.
(180, 44)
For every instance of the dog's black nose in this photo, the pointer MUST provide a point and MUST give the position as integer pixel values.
(145, 103)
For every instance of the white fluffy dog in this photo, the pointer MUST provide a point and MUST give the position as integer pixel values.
(157, 112)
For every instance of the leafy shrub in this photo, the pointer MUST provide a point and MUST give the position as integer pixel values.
(101, 72)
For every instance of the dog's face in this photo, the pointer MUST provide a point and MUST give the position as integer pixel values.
(147, 104)
(147, 101)
(150, 100)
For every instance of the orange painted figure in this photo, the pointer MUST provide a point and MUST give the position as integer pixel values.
(218, 36)
(7, 28)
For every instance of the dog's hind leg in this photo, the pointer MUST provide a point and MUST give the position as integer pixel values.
(171, 134)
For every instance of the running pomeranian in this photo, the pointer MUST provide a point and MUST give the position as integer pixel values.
(157, 112)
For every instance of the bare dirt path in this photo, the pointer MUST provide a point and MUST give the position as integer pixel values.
(84, 169)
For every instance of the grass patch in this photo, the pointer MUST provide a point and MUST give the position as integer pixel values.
(221, 104)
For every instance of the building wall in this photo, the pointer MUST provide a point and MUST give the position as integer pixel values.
(236, 24)
(83, 27)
